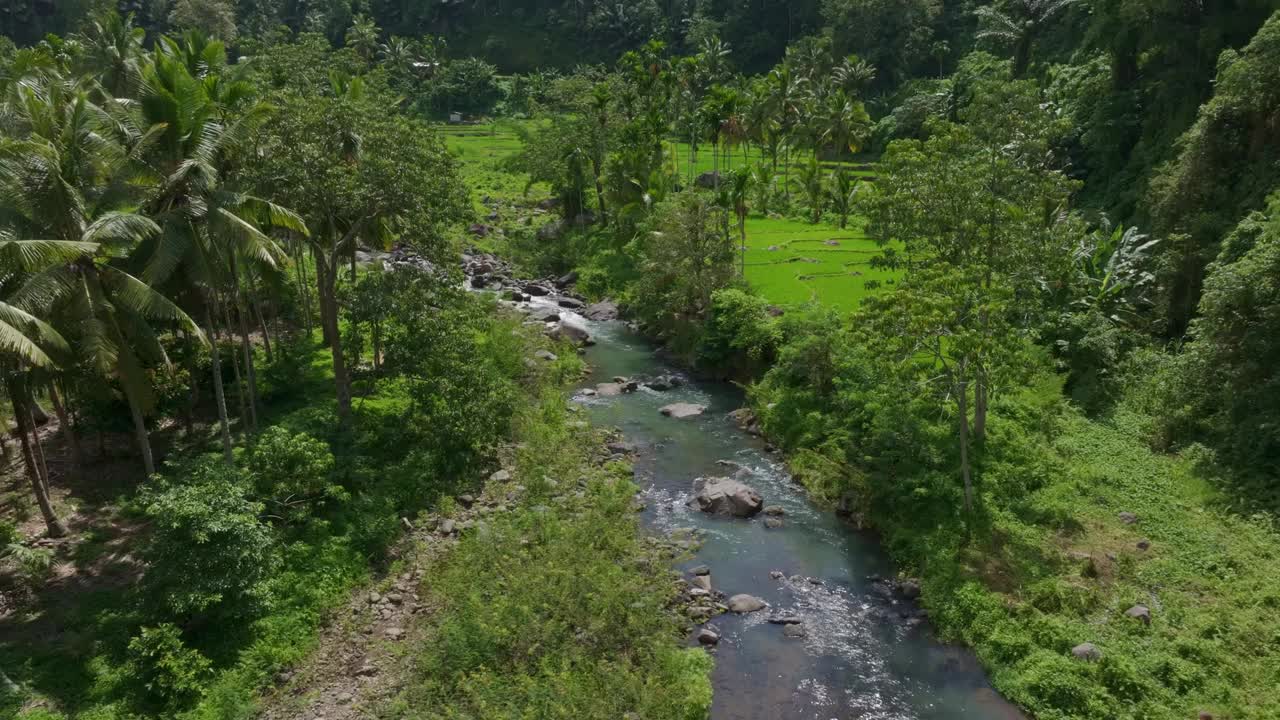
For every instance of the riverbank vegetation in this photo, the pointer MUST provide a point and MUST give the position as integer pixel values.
(254, 401)
(1000, 280)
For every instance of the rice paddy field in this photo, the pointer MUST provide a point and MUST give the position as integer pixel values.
(790, 262)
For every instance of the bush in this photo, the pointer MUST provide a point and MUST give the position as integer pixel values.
(207, 551)
(291, 473)
(172, 673)
(740, 337)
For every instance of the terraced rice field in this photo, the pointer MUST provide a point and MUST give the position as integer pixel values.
(788, 261)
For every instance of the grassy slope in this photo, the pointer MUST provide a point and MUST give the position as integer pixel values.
(803, 268)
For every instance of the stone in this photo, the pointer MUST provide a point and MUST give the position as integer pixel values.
(567, 279)
(546, 355)
(1204, 715)
(620, 448)
(662, 383)
(447, 527)
(725, 496)
(466, 500)
(500, 476)
(553, 230)
(776, 574)
(708, 637)
(601, 311)
(374, 598)
(794, 631)
(1128, 518)
(744, 603)
(536, 290)
(708, 180)
(682, 410)
(773, 523)
(345, 698)
(367, 670)
(785, 619)
(571, 303)
(480, 230)
(394, 633)
(1144, 544)
(609, 389)
(700, 570)
(545, 315)
(573, 332)
(1087, 652)
(702, 581)
(1139, 612)
(910, 589)
(774, 510)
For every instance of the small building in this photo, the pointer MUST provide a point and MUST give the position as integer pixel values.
(455, 118)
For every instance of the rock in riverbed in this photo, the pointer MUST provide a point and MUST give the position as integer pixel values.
(746, 604)
(726, 496)
(682, 410)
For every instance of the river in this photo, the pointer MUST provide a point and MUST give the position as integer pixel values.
(863, 657)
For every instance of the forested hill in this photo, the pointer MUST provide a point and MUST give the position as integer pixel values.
(1127, 76)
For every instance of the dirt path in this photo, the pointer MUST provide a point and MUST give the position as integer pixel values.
(363, 658)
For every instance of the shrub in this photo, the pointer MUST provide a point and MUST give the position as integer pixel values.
(171, 673)
(291, 473)
(740, 337)
(207, 549)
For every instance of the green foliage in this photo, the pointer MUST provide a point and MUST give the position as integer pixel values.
(291, 474)
(685, 256)
(739, 336)
(468, 86)
(570, 619)
(207, 551)
(1223, 389)
(171, 673)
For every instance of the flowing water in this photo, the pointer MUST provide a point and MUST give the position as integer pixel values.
(864, 657)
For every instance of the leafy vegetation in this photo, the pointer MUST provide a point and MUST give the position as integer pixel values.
(999, 276)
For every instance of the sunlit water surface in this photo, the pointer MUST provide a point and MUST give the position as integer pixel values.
(861, 658)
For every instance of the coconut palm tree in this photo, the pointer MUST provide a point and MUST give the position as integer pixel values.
(1019, 26)
(842, 190)
(113, 52)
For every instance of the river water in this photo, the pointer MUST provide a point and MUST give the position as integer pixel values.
(863, 658)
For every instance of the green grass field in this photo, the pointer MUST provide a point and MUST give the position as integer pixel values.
(790, 262)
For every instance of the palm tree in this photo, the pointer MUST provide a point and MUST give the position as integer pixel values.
(844, 122)
(842, 191)
(739, 190)
(810, 182)
(1019, 27)
(853, 75)
(113, 52)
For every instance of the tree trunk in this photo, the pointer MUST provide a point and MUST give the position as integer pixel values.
(193, 393)
(304, 287)
(68, 431)
(377, 347)
(327, 279)
(262, 322)
(962, 402)
(140, 432)
(322, 299)
(235, 371)
(219, 394)
(39, 481)
(246, 347)
(980, 408)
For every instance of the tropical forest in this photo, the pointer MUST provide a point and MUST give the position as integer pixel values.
(640, 360)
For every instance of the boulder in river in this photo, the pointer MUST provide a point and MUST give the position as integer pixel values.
(573, 332)
(682, 410)
(536, 289)
(603, 310)
(794, 631)
(746, 604)
(726, 496)
(568, 302)
(567, 279)
(774, 510)
(708, 637)
(773, 523)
